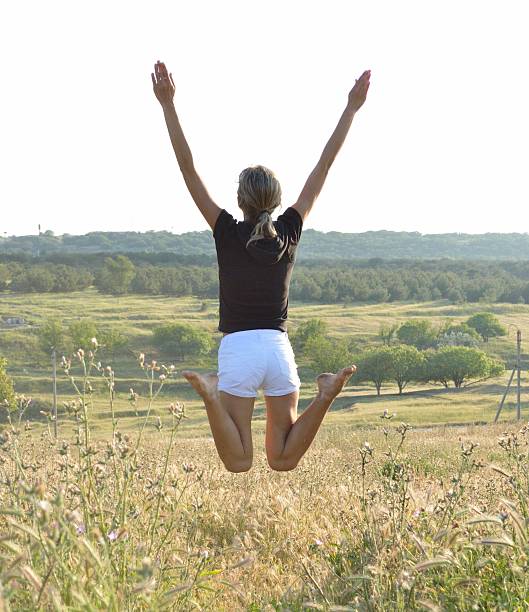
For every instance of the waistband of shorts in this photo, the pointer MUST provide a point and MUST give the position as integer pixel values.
(256, 334)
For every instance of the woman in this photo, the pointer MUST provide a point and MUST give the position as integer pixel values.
(255, 264)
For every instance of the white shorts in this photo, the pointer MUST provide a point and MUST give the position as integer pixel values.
(257, 359)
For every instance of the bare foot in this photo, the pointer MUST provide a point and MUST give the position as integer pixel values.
(329, 385)
(204, 384)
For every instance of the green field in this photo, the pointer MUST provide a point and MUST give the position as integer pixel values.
(419, 519)
(358, 406)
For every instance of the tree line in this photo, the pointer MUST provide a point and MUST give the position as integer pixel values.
(314, 245)
(374, 281)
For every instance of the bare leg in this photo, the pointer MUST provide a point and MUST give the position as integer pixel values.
(287, 436)
(230, 421)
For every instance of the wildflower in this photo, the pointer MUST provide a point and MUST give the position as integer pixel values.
(405, 581)
(66, 364)
(204, 554)
(45, 506)
(177, 409)
(112, 535)
(162, 377)
(94, 342)
(188, 468)
(141, 359)
(366, 449)
(80, 354)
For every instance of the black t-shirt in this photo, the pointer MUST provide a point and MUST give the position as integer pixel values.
(254, 279)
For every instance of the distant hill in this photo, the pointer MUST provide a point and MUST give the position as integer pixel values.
(315, 245)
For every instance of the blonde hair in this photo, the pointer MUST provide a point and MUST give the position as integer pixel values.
(259, 194)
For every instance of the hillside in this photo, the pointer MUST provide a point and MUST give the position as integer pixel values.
(315, 245)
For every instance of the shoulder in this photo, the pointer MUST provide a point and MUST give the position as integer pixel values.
(224, 224)
(291, 224)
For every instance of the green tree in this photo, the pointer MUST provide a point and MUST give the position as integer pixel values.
(487, 325)
(7, 389)
(180, 340)
(459, 364)
(110, 340)
(68, 278)
(117, 275)
(81, 332)
(37, 279)
(328, 354)
(5, 277)
(386, 333)
(375, 366)
(306, 331)
(52, 336)
(406, 365)
(418, 333)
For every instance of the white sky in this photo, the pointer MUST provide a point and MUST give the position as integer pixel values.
(441, 144)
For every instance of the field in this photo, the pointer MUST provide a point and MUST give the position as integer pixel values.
(142, 516)
(357, 407)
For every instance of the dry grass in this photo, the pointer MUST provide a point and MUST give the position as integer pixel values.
(137, 513)
(154, 522)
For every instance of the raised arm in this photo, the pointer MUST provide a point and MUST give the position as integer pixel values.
(316, 180)
(164, 89)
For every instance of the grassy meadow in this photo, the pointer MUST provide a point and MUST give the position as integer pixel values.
(139, 514)
(137, 316)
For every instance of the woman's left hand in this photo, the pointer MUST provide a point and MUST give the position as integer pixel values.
(357, 95)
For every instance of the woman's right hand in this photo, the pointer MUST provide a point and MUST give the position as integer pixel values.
(163, 84)
(357, 95)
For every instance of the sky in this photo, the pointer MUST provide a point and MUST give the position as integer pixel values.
(441, 144)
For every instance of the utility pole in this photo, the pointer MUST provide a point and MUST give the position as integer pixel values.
(517, 369)
(54, 361)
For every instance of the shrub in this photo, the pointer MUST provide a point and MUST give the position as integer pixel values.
(180, 340)
(7, 389)
(375, 366)
(459, 364)
(486, 325)
(328, 354)
(418, 333)
(307, 331)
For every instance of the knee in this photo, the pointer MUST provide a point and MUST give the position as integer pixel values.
(282, 464)
(238, 466)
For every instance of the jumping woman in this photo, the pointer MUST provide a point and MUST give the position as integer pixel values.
(255, 258)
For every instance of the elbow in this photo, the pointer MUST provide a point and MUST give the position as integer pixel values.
(187, 166)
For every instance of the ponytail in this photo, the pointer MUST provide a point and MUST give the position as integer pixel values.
(264, 228)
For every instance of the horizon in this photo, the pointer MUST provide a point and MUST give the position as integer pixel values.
(207, 230)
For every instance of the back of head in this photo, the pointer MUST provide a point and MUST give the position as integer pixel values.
(259, 194)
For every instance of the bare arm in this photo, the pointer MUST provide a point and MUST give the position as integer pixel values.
(317, 177)
(164, 90)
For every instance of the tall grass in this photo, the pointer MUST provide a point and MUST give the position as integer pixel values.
(148, 521)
